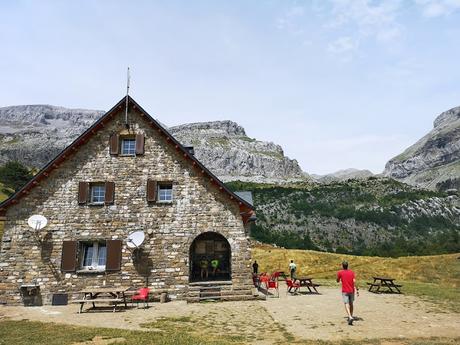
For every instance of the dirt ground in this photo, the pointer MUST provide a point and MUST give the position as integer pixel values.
(274, 320)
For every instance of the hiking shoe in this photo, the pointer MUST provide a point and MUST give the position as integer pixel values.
(350, 321)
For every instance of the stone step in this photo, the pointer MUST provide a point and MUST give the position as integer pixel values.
(236, 292)
(211, 283)
(209, 288)
(209, 293)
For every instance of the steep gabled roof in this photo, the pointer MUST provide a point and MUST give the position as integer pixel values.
(246, 208)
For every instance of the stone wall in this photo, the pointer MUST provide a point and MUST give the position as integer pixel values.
(198, 207)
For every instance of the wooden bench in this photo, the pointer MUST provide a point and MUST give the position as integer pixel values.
(114, 301)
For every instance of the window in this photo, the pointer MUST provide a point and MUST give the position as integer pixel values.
(94, 255)
(97, 193)
(165, 192)
(128, 146)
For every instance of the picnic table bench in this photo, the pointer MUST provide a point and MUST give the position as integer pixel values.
(113, 296)
(387, 284)
(308, 283)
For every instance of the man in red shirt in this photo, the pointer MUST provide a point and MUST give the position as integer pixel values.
(347, 277)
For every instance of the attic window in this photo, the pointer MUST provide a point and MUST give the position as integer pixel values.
(128, 146)
(97, 193)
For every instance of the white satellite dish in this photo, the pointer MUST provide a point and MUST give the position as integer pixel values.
(135, 239)
(37, 221)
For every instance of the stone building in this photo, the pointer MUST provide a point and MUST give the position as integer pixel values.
(125, 174)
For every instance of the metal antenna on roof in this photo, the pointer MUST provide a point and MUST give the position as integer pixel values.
(127, 93)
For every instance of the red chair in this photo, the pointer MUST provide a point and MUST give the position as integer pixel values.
(273, 284)
(292, 285)
(264, 279)
(142, 295)
(276, 275)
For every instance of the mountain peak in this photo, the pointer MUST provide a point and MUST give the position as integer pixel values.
(447, 118)
(225, 127)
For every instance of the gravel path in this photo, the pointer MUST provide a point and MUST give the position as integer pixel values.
(275, 320)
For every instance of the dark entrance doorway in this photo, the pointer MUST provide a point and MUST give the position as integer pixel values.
(210, 258)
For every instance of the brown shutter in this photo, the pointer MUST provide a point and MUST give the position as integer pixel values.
(69, 256)
(151, 191)
(113, 262)
(139, 144)
(114, 144)
(83, 188)
(109, 192)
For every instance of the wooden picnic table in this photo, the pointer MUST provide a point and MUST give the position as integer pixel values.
(114, 295)
(386, 283)
(307, 282)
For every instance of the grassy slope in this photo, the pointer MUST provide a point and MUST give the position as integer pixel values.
(435, 278)
(438, 269)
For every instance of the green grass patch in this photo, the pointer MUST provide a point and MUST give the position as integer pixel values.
(26, 332)
(38, 333)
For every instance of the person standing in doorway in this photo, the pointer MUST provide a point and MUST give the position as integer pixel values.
(292, 269)
(215, 266)
(348, 279)
(204, 268)
(255, 267)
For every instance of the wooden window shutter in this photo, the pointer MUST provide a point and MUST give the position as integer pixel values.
(69, 256)
(109, 192)
(151, 191)
(83, 188)
(113, 262)
(139, 144)
(114, 144)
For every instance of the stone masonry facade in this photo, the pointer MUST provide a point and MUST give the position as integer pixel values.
(198, 206)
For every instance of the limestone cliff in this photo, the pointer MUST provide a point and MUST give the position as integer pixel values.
(434, 160)
(224, 147)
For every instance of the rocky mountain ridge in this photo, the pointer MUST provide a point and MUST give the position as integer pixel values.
(35, 134)
(434, 160)
(234, 155)
(342, 175)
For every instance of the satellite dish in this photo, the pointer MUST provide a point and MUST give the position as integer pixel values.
(37, 221)
(135, 239)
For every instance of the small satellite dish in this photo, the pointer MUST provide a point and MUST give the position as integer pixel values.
(135, 239)
(37, 221)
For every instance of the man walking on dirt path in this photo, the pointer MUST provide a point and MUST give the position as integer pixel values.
(347, 277)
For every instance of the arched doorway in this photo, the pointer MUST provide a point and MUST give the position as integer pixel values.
(206, 248)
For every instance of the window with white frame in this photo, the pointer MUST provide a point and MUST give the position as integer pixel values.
(128, 146)
(94, 255)
(97, 193)
(165, 192)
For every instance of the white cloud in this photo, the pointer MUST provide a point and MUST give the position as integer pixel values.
(370, 18)
(438, 8)
(342, 45)
(285, 21)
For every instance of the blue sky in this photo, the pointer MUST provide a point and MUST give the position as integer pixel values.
(339, 84)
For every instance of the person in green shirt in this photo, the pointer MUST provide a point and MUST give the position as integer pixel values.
(204, 268)
(215, 266)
